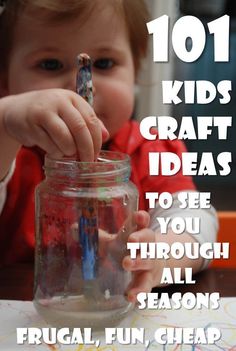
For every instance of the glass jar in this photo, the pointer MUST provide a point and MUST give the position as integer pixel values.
(84, 215)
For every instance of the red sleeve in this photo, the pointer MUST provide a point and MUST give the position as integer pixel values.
(17, 219)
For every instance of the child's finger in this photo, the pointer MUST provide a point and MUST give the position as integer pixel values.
(137, 264)
(38, 136)
(93, 125)
(105, 242)
(87, 139)
(138, 220)
(142, 282)
(142, 219)
(59, 133)
(144, 235)
(105, 133)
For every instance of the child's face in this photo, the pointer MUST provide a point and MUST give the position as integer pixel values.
(44, 56)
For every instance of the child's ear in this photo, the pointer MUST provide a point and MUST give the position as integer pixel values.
(3, 84)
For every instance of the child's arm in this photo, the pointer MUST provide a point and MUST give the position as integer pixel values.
(147, 272)
(8, 145)
(58, 121)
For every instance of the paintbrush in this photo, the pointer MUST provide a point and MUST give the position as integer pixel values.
(88, 220)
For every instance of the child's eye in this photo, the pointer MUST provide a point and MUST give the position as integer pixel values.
(103, 63)
(51, 65)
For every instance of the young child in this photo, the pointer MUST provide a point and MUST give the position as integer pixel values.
(40, 112)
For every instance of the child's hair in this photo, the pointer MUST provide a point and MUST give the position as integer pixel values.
(135, 14)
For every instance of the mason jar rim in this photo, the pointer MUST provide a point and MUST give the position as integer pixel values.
(108, 162)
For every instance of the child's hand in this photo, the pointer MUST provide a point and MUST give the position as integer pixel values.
(58, 121)
(146, 272)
